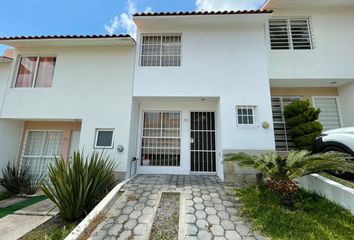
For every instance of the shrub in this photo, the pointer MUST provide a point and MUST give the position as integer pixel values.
(76, 188)
(14, 179)
(301, 118)
(282, 171)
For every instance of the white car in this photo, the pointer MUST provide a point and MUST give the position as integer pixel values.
(341, 139)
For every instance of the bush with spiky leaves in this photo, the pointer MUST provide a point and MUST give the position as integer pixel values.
(301, 118)
(76, 188)
(282, 171)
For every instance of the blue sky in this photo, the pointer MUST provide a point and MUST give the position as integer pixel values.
(68, 17)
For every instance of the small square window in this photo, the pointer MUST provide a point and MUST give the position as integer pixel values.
(104, 138)
(245, 115)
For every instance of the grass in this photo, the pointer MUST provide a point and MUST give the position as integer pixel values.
(20, 205)
(337, 179)
(311, 217)
(4, 195)
(53, 229)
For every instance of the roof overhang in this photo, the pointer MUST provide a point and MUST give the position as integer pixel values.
(4, 59)
(201, 18)
(58, 41)
(276, 4)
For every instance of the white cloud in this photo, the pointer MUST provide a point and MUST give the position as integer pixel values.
(124, 22)
(220, 5)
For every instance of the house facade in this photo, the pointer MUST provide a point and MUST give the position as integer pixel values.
(191, 88)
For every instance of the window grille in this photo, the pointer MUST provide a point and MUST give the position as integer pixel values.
(245, 115)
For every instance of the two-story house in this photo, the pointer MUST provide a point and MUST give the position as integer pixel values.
(192, 87)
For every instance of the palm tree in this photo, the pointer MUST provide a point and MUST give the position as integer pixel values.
(281, 171)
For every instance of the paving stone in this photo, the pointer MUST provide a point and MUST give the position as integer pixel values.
(232, 235)
(227, 203)
(191, 238)
(204, 235)
(206, 197)
(202, 224)
(135, 214)
(127, 210)
(190, 218)
(122, 218)
(148, 210)
(115, 229)
(231, 210)
(200, 214)
(130, 224)
(227, 225)
(213, 219)
(140, 229)
(210, 210)
(242, 229)
(145, 218)
(150, 202)
(188, 196)
(189, 203)
(217, 230)
(125, 235)
(208, 203)
(197, 194)
(214, 194)
(219, 238)
(223, 215)
(219, 207)
(190, 210)
(198, 200)
(199, 206)
(139, 206)
(191, 230)
(216, 200)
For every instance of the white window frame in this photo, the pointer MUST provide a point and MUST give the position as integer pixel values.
(17, 68)
(254, 115)
(96, 138)
(162, 35)
(289, 33)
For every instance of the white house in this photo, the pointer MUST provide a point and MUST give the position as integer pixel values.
(192, 87)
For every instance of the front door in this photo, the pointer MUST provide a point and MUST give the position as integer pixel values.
(203, 155)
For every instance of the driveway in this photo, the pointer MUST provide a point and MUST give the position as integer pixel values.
(208, 209)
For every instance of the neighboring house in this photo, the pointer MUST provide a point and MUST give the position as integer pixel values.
(193, 87)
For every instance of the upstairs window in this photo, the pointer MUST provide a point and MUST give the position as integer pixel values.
(290, 33)
(161, 50)
(35, 71)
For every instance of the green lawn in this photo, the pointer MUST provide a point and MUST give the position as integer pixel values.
(312, 217)
(18, 206)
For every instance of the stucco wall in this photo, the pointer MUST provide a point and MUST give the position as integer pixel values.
(4, 76)
(332, 56)
(228, 62)
(91, 84)
(346, 101)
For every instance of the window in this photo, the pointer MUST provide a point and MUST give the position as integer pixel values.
(283, 141)
(40, 150)
(329, 116)
(161, 50)
(104, 138)
(290, 33)
(35, 71)
(161, 139)
(245, 115)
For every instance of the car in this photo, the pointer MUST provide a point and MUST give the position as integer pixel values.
(340, 139)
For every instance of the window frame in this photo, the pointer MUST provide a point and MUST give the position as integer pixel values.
(289, 33)
(38, 56)
(142, 35)
(254, 115)
(95, 146)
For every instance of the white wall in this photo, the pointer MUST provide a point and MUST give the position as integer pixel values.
(229, 62)
(332, 57)
(4, 76)
(91, 84)
(10, 137)
(346, 101)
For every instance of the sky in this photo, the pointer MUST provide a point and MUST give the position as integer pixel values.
(81, 17)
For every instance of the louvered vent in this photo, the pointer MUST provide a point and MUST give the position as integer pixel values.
(290, 33)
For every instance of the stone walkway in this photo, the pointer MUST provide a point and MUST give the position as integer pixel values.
(208, 206)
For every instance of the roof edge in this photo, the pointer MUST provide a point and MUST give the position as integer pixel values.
(65, 37)
(205, 13)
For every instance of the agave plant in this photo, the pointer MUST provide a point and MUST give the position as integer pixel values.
(281, 171)
(77, 187)
(14, 179)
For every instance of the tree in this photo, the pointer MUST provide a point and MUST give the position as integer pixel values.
(281, 171)
(301, 119)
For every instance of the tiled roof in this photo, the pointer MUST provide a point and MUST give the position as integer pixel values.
(65, 37)
(202, 13)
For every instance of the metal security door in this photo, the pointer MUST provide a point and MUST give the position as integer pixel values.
(203, 156)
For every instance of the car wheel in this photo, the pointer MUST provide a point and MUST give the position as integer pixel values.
(334, 148)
